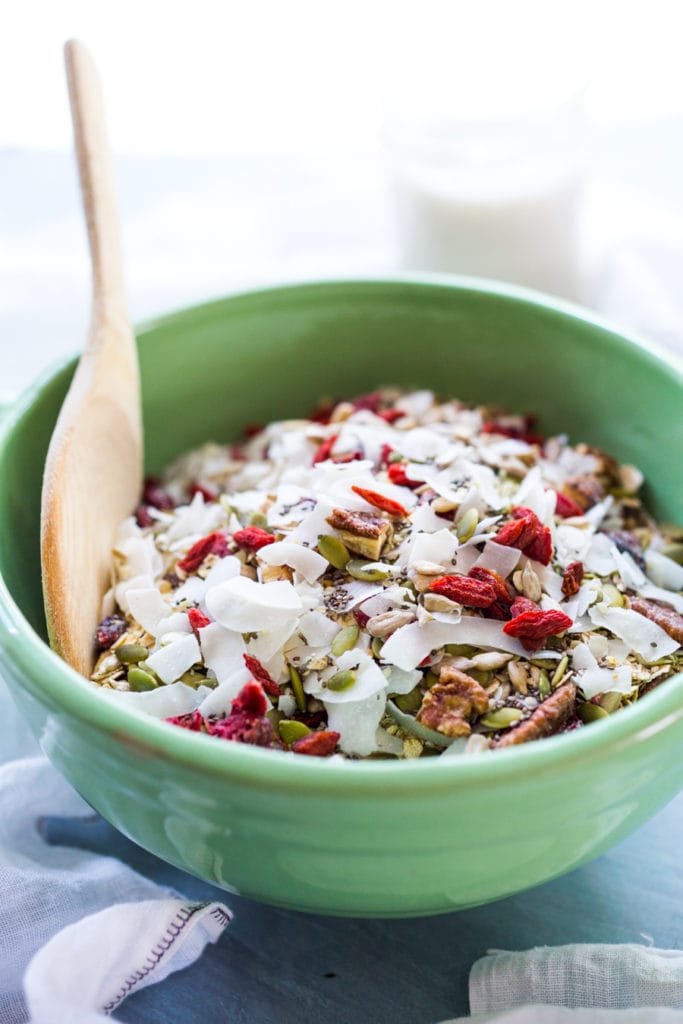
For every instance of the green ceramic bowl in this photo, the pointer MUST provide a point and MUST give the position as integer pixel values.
(375, 838)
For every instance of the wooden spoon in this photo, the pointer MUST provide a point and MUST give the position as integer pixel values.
(93, 474)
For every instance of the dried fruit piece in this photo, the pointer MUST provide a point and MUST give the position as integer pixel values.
(213, 544)
(549, 717)
(500, 585)
(465, 590)
(110, 630)
(532, 627)
(143, 517)
(317, 744)
(566, 507)
(153, 494)
(252, 538)
(572, 578)
(261, 675)
(448, 706)
(522, 604)
(198, 620)
(192, 721)
(397, 474)
(664, 616)
(388, 505)
(390, 415)
(364, 533)
(526, 532)
(324, 450)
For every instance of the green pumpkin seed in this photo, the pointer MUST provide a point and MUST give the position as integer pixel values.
(559, 671)
(409, 701)
(344, 640)
(298, 688)
(544, 686)
(131, 654)
(611, 702)
(590, 712)
(366, 571)
(503, 718)
(139, 680)
(196, 679)
(290, 731)
(430, 679)
(376, 645)
(341, 681)
(463, 650)
(613, 596)
(482, 677)
(331, 548)
(415, 728)
(258, 519)
(467, 525)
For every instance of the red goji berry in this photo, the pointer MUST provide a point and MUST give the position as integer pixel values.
(394, 508)
(110, 630)
(390, 415)
(192, 721)
(324, 450)
(253, 538)
(566, 507)
(522, 604)
(198, 620)
(153, 494)
(206, 493)
(213, 544)
(261, 675)
(322, 413)
(526, 532)
(251, 700)
(464, 590)
(397, 474)
(317, 744)
(520, 433)
(572, 578)
(532, 627)
(501, 586)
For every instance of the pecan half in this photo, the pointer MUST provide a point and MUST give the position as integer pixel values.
(549, 717)
(661, 614)
(364, 533)
(451, 702)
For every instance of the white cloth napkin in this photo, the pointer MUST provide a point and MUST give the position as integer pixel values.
(96, 930)
(577, 984)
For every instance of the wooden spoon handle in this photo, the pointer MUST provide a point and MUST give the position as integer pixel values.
(96, 172)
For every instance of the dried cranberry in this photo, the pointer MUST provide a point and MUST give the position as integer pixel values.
(154, 494)
(110, 630)
(317, 744)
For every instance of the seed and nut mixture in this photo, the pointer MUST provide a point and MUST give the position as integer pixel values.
(394, 577)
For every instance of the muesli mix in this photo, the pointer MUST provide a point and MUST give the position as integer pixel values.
(393, 577)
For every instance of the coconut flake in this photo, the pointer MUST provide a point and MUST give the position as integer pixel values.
(163, 702)
(309, 563)
(498, 558)
(642, 635)
(369, 678)
(438, 547)
(399, 681)
(219, 701)
(170, 661)
(243, 605)
(222, 650)
(357, 723)
(663, 571)
(317, 630)
(593, 679)
(148, 607)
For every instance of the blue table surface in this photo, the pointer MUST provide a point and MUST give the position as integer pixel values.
(273, 966)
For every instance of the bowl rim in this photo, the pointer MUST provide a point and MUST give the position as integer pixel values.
(82, 700)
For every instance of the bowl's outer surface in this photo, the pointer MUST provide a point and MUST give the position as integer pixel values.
(371, 838)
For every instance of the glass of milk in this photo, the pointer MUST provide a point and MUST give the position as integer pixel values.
(487, 181)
